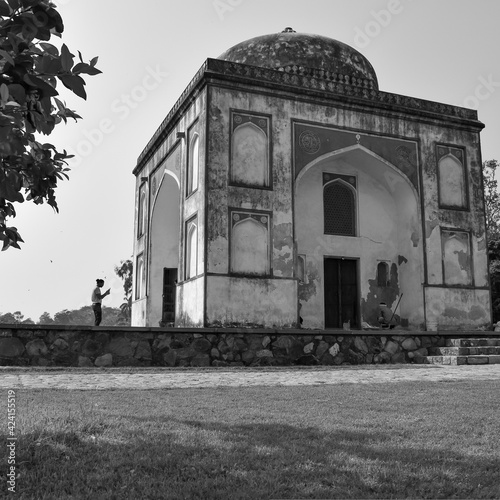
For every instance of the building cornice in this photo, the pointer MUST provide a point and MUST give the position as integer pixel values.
(311, 83)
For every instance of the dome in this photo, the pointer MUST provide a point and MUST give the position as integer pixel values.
(289, 48)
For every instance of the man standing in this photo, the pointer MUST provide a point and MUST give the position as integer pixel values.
(97, 301)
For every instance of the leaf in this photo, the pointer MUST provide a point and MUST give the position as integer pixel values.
(6, 120)
(4, 9)
(86, 68)
(5, 55)
(10, 186)
(50, 49)
(40, 84)
(66, 58)
(17, 92)
(4, 93)
(74, 83)
(14, 4)
(60, 105)
(49, 65)
(29, 3)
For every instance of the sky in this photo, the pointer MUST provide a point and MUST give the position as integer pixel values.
(439, 50)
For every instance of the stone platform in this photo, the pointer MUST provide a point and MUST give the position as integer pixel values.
(85, 346)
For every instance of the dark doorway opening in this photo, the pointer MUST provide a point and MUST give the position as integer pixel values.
(169, 285)
(341, 293)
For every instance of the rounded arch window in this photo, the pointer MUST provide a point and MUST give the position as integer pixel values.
(382, 274)
(194, 164)
(192, 250)
(339, 209)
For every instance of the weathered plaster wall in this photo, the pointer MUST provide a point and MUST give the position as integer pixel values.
(415, 243)
(171, 155)
(471, 219)
(190, 303)
(277, 201)
(221, 195)
(139, 308)
(457, 308)
(234, 301)
(464, 307)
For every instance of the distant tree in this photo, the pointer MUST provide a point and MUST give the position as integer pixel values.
(45, 319)
(125, 271)
(30, 69)
(15, 318)
(7, 319)
(62, 317)
(111, 316)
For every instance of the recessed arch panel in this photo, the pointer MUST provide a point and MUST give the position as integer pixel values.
(249, 156)
(452, 191)
(250, 247)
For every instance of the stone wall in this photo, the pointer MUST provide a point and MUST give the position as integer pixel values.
(86, 346)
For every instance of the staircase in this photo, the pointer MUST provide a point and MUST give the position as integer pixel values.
(464, 351)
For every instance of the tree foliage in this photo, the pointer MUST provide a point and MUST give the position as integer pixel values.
(125, 272)
(30, 69)
(15, 318)
(492, 209)
(491, 199)
(111, 316)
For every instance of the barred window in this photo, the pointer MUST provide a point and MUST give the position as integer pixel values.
(339, 209)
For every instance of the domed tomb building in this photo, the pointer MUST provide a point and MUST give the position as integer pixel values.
(285, 187)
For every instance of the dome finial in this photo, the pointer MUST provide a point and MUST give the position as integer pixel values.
(288, 30)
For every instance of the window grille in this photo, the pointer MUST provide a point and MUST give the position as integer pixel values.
(339, 209)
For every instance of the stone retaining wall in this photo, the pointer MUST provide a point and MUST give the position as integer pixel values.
(86, 346)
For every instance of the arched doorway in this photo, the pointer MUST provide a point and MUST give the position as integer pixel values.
(342, 261)
(164, 252)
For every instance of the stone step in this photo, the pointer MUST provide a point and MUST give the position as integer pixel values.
(491, 342)
(486, 359)
(464, 351)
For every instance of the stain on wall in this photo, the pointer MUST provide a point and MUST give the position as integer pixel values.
(388, 294)
(458, 308)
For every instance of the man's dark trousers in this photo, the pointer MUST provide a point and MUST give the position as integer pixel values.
(97, 313)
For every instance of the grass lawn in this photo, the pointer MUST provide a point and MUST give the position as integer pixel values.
(400, 440)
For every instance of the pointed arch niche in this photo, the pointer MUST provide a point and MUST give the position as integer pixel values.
(250, 151)
(457, 261)
(451, 178)
(382, 206)
(250, 244)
